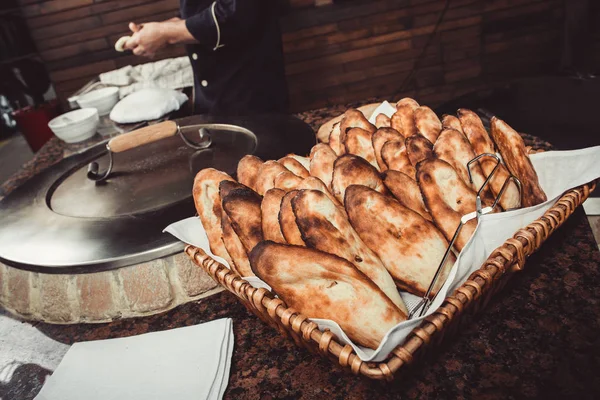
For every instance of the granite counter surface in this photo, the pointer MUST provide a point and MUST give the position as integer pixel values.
(538, 338)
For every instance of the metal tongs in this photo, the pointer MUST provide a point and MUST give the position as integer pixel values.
(142, 136)
(424, 304)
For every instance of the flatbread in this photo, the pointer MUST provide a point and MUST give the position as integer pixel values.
(287, 220)
(451, 122)
(428, 123)
(322, 158)
(412, 103)
(353, 170)
(294, 166)
(410, 247)
(269, 210)
(325, 130)
(335, 140)
(267, 174)
(235, 248)
(418, 148)
(406, 190)
(305, 161)
(315, 183)
(482, 143)
(358, 142)
(513, 151)
(321, 285)
(354, 119)
(380, 137)
(382, 121)
(324, 227)
(243, 209)
(286, 180)
(394, 155)
(247, 170)
(454, 148)
(447, 198)
(403, 120)
(208, 205)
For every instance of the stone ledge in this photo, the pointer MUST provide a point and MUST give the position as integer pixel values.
(135, 291)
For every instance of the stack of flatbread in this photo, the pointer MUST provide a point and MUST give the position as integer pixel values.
(369, 212)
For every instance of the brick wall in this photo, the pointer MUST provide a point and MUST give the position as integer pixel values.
(344, 52)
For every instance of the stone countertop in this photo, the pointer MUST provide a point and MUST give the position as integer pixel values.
(538, 338)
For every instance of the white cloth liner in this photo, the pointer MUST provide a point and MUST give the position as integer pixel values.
(171, 73)
(187, 363)
(558, 171)
(147, 105)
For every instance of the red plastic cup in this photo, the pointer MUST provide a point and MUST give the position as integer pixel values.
(33, 123)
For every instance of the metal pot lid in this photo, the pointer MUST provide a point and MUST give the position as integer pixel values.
(61, 222)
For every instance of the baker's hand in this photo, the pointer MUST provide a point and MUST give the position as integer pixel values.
(147, 39)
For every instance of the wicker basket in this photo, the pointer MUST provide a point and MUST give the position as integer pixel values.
(468, 299)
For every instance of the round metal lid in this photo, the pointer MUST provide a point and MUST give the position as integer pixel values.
(62, 222)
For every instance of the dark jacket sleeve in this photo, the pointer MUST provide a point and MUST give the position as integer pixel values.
(225, 22)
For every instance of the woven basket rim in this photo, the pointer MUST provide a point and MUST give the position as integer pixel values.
(482, 283)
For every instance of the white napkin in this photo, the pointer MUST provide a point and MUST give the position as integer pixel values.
(558, 171)
(184, 363)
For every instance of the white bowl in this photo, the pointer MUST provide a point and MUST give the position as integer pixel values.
(75, 126)
(101, 99)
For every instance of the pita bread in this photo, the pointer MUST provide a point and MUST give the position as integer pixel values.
(353, 170)
(243, 209)
(287, 220)
(315, 183)
(208, 205)
(247, 170)
(358, 142)
(454, 148)
(380, 137)
(335, 140)
(403, 120)
(482, 143)
(418, 148)
(226, 186)
(269, 210)
(286, 180)
(235, 248)
(267, 174)
(394, 155)
(324, 227)
(322, 158)
(294, 166)
(410, 247)
(451, 122)
(406, 191)
(325, 129)
(447, 198)
(300, 276)
(412, 103)
(514, 154)
(355, 119)
(305, 161)
(382, 121)
(428, 123)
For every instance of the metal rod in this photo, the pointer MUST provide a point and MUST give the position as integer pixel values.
(94, 175)
(505, 186)
(478, 204)
(425, 302)
(205, 139)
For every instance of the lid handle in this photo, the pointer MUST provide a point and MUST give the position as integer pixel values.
(142, 136)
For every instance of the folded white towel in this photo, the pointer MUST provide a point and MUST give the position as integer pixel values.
(171, 73)
(184, 363)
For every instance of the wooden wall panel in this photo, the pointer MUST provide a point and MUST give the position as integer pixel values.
(348, 51)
